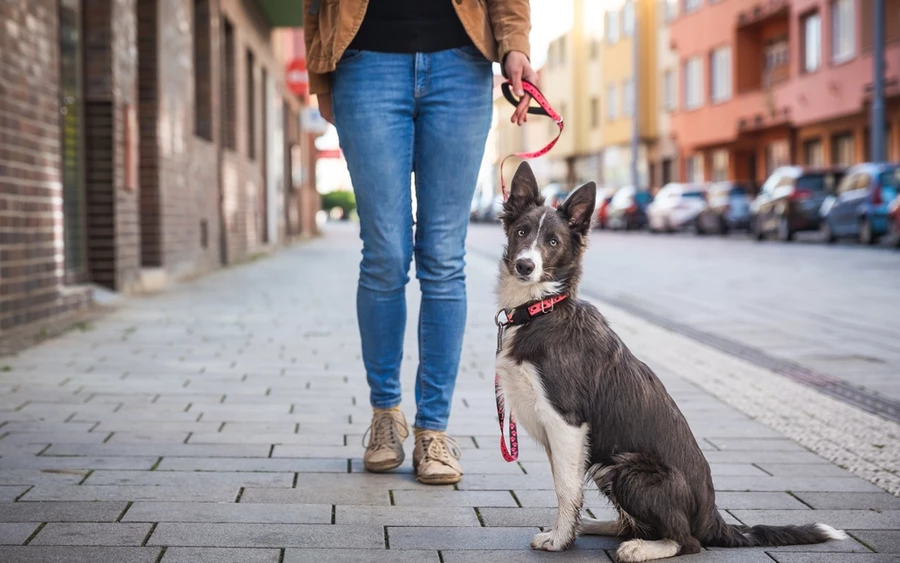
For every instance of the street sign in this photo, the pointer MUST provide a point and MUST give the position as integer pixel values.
(311, 121)
(297, 78)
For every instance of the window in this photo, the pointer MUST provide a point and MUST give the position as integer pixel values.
(775, 53)
(628, 18)
(812, 42)
(202, 70)
(890, 183)
(720, 165)
(813, 153)
(691, 5)
(628, 97)
(229, 105)
(612, 26)
(843, 32)
(694, 166)
(842, 149)
(671, 10)
(720, 74)
(668, 95)
(595, 113)
(611, 103)
(778, 153)
(251, 106)
(693, 83)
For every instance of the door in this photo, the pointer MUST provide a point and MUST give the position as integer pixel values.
(839, 213)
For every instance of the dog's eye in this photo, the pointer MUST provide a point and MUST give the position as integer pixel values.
(553, 242)
(521, 232)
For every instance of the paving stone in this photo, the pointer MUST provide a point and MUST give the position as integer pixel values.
(359, 556)
(76, 554)
(453, 498)
(850, 501)
(216, 555)
(68, 533)
(804, 470)
(17, 533)
(268, 535)
(61, 511)
(533, 517)
(882, 541)
(41, 476)
(794, 484)
(318, 496)
(58, 463)
(10, 493)
(191, 478)
(132, 493)
(752, 456)
(160, 450)
(504, 482)
(575, 554)
(229, 513)
(739, 555)
(445, 515)
(786, 557)
(253, 464)
(841, 519)
(761, 501)
(323, 439)
(459, 538)
(776, 445)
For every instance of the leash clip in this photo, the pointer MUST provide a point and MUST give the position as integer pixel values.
(502, 321)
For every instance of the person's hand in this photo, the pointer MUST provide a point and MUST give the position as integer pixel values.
(325, 107)
(518, 67)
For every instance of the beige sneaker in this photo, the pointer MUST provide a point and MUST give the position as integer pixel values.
(384, 447)
(436, 458)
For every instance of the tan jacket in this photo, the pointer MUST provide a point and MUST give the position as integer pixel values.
(496, 27)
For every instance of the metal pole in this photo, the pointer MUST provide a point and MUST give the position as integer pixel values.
(635, 69)
(876, 126)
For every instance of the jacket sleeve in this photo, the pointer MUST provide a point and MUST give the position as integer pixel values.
(511, 21)
(318, 83)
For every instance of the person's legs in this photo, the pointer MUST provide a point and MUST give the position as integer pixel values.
(373, 111)
(454, 107)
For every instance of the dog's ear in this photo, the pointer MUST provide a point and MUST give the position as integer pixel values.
(523, 195)
(578, 209)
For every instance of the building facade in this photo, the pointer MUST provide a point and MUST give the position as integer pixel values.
(769, 83)
(142, 141)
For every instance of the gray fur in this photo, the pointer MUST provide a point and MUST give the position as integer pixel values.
(642, 453)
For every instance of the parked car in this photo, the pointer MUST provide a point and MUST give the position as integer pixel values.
(628, 209)
(676, 206)
(727, 208)
(859, 207)
(603, 200)
(488, 210)
(894, 213)
(554, 194)
(790, 199)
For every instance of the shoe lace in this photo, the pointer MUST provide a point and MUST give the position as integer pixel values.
(440, 447)
(383, 432)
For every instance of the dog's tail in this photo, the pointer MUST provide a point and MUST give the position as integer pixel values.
(728, 535)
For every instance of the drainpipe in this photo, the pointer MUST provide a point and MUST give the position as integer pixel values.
(876, 126)
(635, 69)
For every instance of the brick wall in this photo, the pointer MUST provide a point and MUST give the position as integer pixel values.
(32, 269)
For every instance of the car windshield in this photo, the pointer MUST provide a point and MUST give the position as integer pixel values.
(890, 184)
(698, 195)
(821, 182)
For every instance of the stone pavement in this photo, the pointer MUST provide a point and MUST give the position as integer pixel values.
(222, 422)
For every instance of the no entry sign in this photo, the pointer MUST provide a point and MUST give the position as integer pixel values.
(297, 78)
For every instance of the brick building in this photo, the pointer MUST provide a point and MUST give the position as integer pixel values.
(781, 81)
(141, 141)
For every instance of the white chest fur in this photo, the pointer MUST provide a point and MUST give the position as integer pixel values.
(524, 394)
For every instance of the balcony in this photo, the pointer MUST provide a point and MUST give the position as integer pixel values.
(279, 13)
(763, 13)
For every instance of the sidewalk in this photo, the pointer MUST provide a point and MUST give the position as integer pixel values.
(222, 422)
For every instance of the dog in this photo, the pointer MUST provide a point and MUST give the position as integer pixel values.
(599, 412)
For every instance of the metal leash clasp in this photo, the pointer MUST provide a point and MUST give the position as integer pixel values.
(502, 321)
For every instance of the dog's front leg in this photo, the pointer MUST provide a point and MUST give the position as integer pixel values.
(567, 448)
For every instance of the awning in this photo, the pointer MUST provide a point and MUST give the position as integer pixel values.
(281, 13)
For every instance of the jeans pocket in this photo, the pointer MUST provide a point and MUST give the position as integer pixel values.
(350, 55)
(470, 53)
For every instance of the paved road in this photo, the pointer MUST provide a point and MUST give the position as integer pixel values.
(833, 309)
(221, 422)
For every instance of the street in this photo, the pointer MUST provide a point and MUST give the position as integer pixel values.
(222, 421)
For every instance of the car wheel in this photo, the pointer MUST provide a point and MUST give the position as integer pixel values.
(785, 234)
(723, 226)
(894, 232)
(756, 229)
(866, 236)
(827, 233)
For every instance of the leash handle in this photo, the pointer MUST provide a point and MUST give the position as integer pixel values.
(544, 109)
(512, 453)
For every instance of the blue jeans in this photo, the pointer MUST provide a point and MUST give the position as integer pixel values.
(399, 114)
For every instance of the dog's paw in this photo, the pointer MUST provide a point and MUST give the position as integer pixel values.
(551, 541)
(635, 551)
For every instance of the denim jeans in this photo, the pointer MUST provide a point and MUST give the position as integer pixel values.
(399, 114)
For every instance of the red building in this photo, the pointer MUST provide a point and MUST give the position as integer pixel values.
(766, 83)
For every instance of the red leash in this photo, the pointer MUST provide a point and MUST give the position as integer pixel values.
(505, 318)
(544, 109)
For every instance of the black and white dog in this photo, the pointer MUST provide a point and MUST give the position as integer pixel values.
(599, 412)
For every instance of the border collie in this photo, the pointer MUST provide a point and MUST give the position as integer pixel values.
(599, 412)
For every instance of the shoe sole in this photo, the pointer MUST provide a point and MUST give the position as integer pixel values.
(440, 480)
(383, 467)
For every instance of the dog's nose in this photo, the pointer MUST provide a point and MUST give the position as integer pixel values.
(524, 266)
